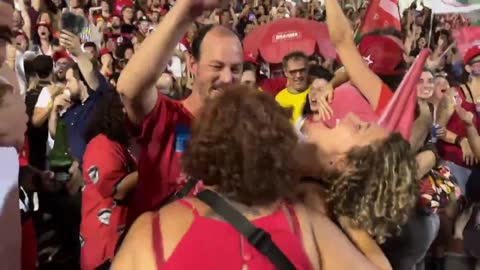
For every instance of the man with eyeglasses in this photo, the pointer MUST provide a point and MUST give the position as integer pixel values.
(295, 67)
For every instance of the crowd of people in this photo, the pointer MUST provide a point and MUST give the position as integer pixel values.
(141, 135)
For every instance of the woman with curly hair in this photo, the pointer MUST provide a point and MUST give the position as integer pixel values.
(370, 173)
(241, 147)
(110, 174)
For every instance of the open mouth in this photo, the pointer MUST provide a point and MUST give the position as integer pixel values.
(443, 91)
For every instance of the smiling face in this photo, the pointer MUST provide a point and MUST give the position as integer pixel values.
(220, 67)
(249, 78)
(313, 95)
(425, 85)
(441, 86)
(333, 144)
(296, 71)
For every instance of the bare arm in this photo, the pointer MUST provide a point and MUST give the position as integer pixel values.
(474, 140)
(72, 43)
(328, 238)
(88, 71)
(341, 34)
(127, 184)
(52, 123)
(330, 241)
(134, 252)
(37, 4)
(136, 84)
(426, 160)
(40, 115)
(366, 245)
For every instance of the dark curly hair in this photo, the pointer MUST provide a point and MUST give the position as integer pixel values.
(108, 119)
(378, 188)
(242, 145)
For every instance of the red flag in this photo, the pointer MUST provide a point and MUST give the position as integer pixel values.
(466, 38)
(381, 14)
(399, 114)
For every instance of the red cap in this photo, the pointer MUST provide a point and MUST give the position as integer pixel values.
(471, 53)
(20, 33)
(250, 58)
(43, 23)
(61, 54)
(382, 54)
(104, 51)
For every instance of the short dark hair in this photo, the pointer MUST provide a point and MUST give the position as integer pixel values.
(90, 44)
(294, 55)
(247, 66)
(77, 73)
(317, 71)
(242, 145)
(198, 40)
(43, 66)
(108, 119)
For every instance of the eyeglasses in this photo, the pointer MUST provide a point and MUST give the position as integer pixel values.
(300, 71)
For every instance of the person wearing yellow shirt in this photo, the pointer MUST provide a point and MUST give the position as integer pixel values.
(295, 67)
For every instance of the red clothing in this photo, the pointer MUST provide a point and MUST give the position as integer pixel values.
(224, 249)
(105, 164)
(161, 138)
(451, 152)
(29, 246)
(385, 95)
(273, 85)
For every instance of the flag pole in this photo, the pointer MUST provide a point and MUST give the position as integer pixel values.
(431, 30)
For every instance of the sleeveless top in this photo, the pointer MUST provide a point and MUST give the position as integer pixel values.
(214, 244)
(451, 152)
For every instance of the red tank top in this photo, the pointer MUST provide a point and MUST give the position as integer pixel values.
(451, 152)
(213, 244)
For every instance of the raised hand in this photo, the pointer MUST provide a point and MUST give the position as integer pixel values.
(71, 42)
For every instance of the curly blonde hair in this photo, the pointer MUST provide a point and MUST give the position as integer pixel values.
(377, 189)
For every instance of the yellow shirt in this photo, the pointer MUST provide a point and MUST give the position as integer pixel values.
(287, 100)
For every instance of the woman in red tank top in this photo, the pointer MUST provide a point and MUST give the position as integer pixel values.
(241, 149)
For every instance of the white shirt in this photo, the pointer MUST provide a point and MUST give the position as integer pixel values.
(10, 228)
(176, 66)
(42, 102)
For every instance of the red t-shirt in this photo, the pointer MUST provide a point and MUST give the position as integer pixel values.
(162, 138)
(105, 164)
(273, 85)
(451, 152)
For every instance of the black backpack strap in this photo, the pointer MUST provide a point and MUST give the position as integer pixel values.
(257, 237)
(184, 191)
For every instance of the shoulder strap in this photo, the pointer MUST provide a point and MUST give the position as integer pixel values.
(257, 237)
(469, 91)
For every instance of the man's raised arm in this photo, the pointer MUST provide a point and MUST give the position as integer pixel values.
(137, 81)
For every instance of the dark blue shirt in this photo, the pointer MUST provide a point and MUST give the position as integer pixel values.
(78, 116)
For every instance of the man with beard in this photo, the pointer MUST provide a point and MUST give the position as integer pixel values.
(116, 25)
(162, 124)
(43, 106)
(12, 129)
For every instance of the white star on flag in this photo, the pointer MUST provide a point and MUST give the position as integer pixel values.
(368, 60)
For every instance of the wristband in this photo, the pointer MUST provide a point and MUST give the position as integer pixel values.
(459, 140)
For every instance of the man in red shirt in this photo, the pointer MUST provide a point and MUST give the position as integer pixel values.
(162, 125)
